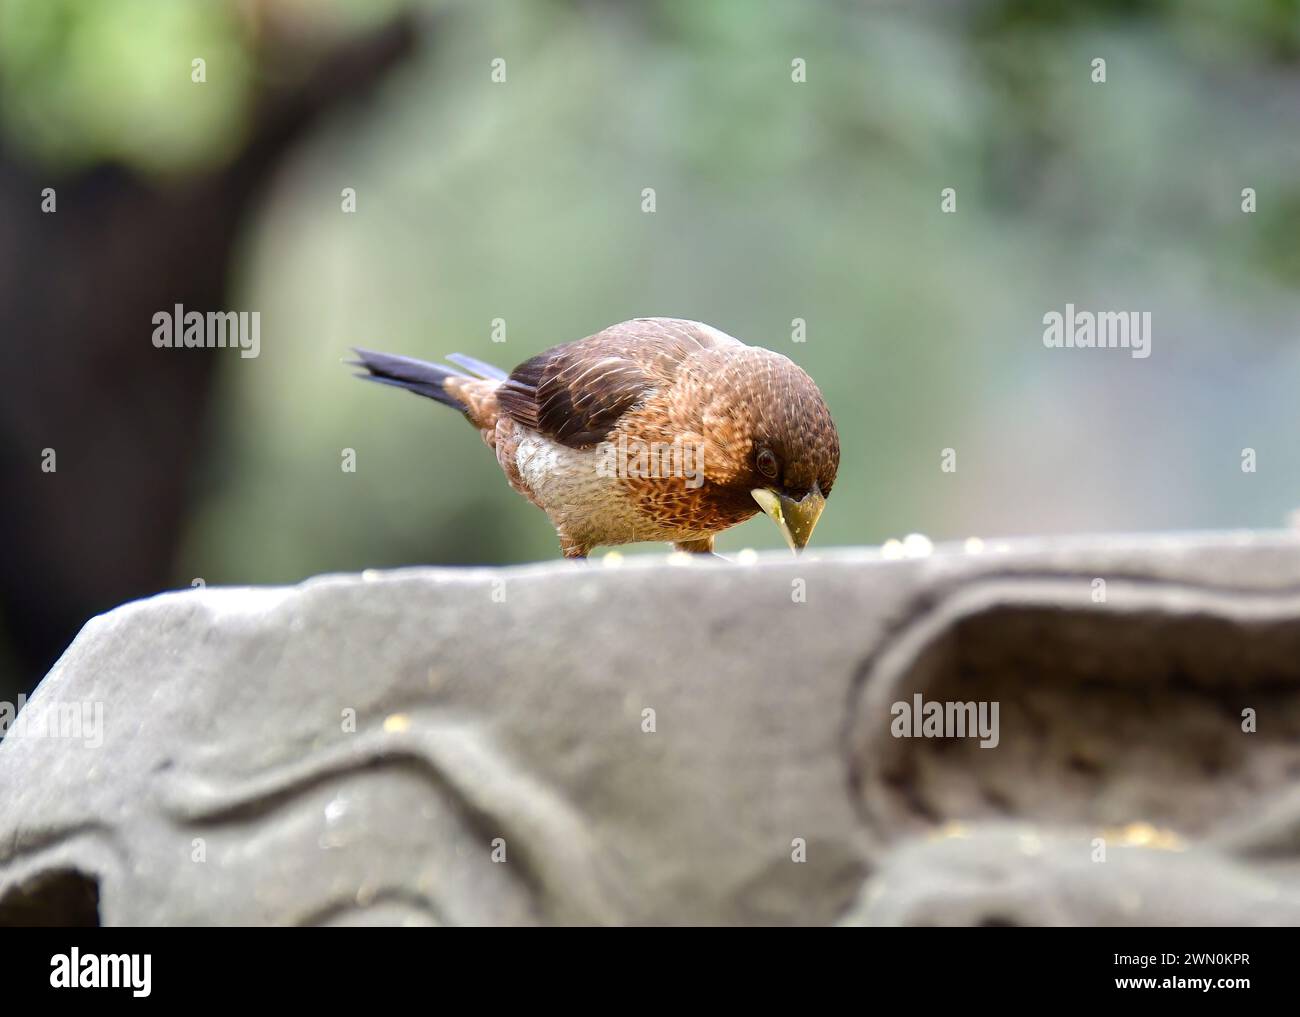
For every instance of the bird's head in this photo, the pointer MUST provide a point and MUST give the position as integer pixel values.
(772, 439)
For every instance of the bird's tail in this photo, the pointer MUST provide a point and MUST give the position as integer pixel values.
(424, 378)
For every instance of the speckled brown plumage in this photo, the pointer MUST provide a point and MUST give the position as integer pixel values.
(712, 411)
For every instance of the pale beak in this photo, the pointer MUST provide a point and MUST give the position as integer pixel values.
(795, 519)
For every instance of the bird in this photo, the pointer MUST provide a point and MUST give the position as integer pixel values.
(654, 429)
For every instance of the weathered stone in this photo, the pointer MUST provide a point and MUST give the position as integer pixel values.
(499, 768)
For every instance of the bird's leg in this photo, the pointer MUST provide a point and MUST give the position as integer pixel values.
(704, 546)
(571, 548)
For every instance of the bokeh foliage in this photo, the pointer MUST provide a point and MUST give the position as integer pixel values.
(776, 200)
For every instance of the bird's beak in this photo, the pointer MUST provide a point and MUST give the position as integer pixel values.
(795, 519)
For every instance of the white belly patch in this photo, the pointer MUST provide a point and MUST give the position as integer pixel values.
(568, 485)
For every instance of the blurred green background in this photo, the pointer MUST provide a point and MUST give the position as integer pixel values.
(776, 200)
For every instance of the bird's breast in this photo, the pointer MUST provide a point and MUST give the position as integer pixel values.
(605, 495)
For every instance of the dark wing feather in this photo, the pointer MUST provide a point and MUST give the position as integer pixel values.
(573, 400)
(576, 393)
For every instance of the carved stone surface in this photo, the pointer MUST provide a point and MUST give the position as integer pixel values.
(437, 746)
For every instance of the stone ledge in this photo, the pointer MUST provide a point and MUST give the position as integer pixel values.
(506, 707)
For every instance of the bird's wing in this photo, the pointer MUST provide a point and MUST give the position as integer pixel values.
(576, 393)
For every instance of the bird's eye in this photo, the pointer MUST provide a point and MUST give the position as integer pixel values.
(767, 464)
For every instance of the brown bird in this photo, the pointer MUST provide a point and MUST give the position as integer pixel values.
(653, 429)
